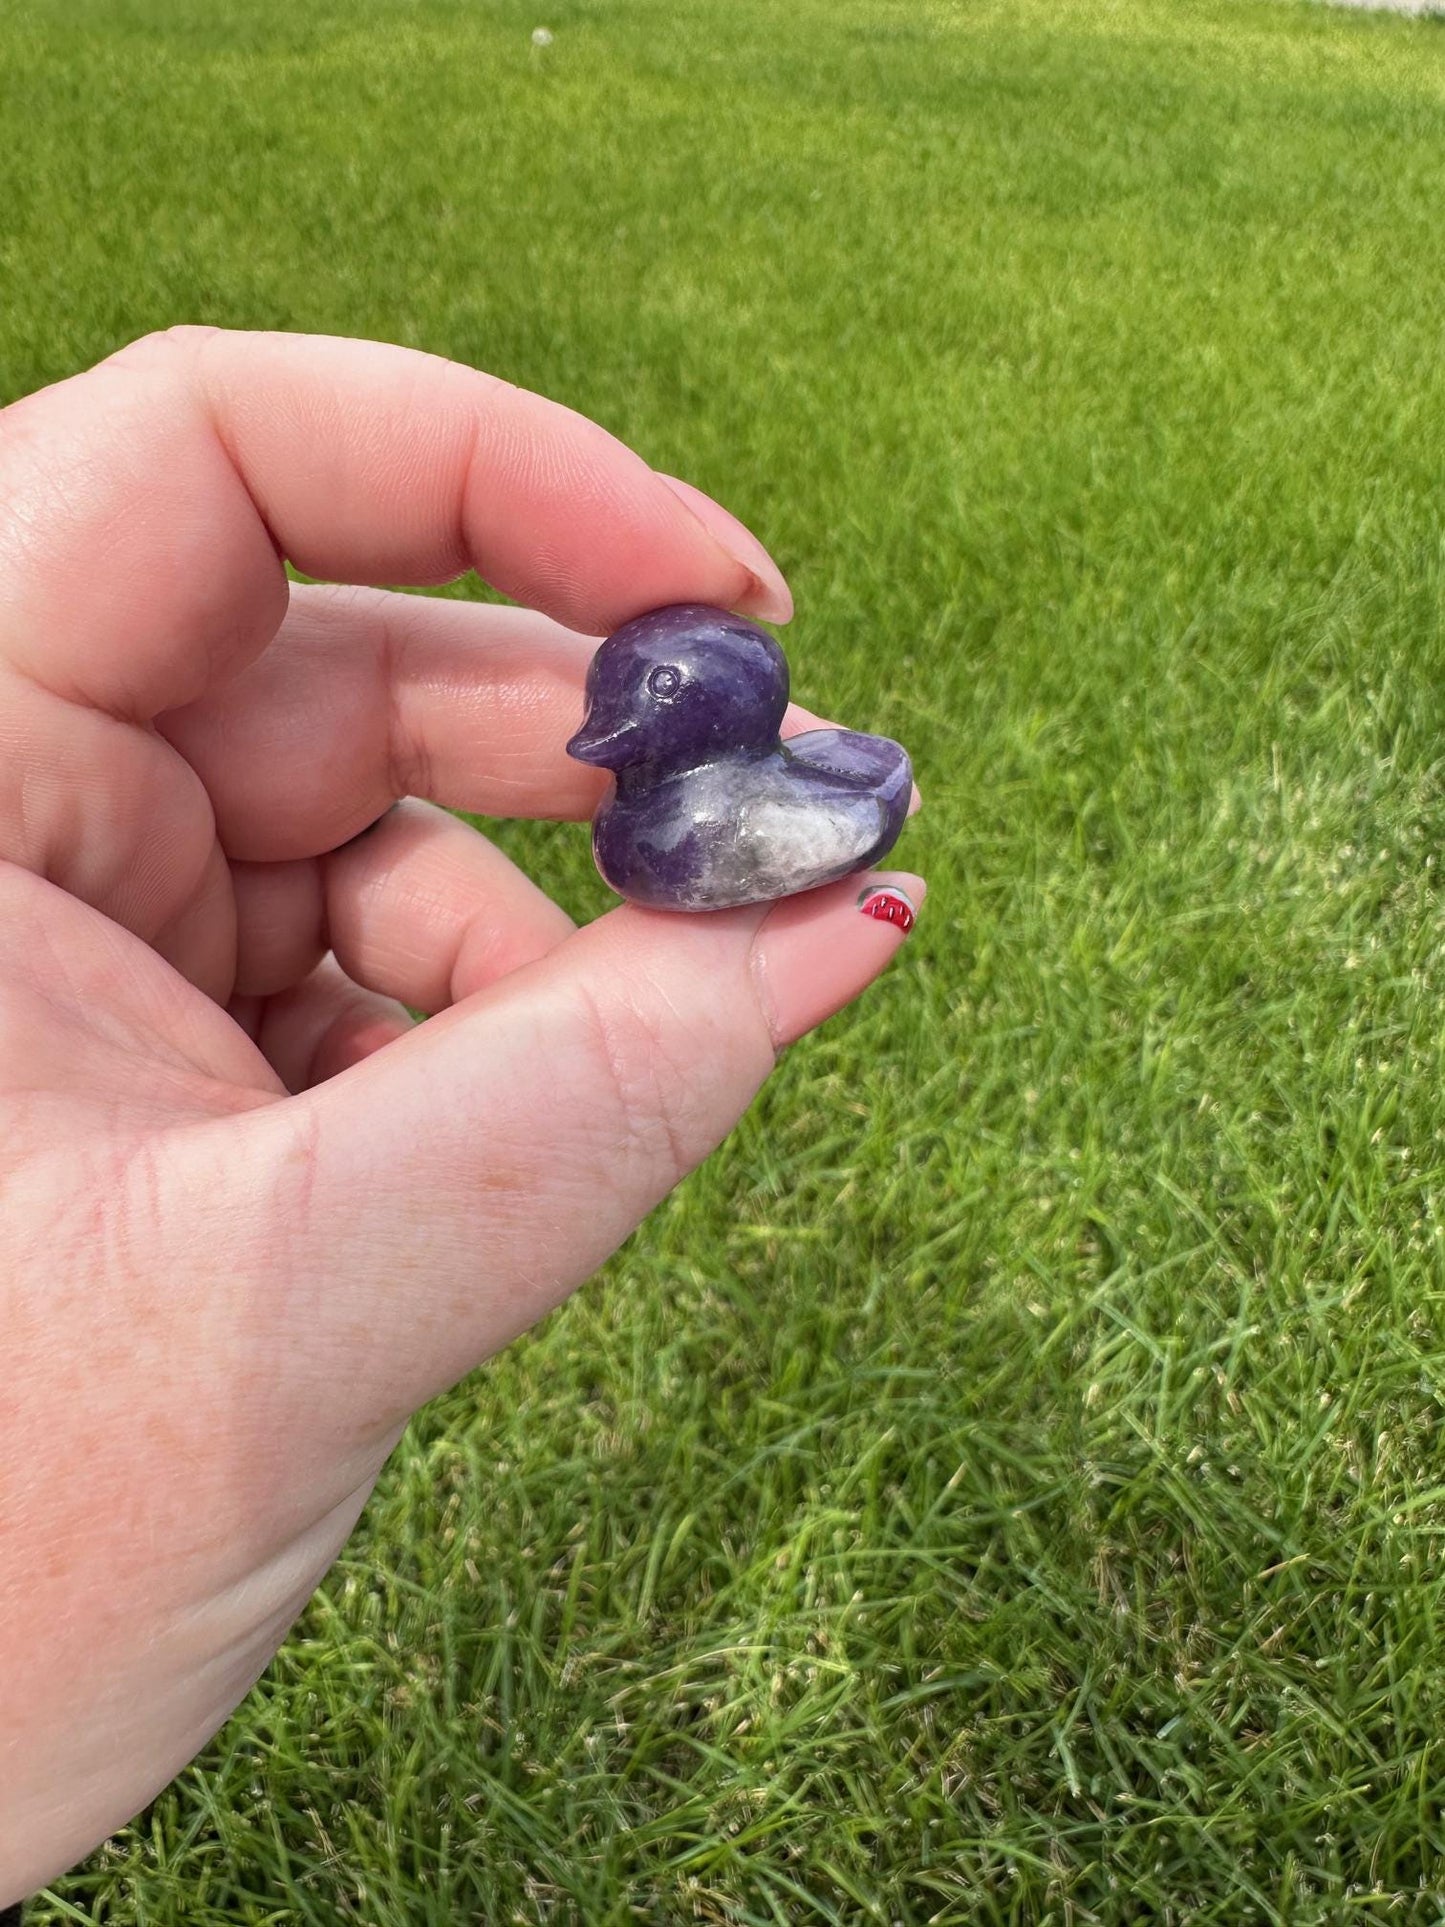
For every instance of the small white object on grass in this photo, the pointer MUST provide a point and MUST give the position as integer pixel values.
(541, 37)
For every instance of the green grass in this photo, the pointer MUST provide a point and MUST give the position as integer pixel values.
(1005, 1485)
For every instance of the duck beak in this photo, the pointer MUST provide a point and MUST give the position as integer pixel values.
(594, 745)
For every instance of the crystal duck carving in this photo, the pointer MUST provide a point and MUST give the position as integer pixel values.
(708, 808)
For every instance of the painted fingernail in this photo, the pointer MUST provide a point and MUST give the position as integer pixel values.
(886, 903)
(814, 953)
(769, 596)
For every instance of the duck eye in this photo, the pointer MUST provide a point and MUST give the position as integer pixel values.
(664, 681)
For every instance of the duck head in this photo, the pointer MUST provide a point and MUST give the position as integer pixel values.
(680, 687)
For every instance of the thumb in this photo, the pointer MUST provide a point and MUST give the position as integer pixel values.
(458, 1184)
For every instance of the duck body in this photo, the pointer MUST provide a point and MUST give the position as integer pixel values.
(709, 810)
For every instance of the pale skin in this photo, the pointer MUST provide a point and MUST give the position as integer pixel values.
(251, 1216)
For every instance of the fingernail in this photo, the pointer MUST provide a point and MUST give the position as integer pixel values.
(886, 903)
(769, 595)
(814, 953)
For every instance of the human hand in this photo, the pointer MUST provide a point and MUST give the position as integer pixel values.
(253, 1216)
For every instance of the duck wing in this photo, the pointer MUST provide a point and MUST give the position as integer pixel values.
(831, 803)
(744, 831)
(848, 756)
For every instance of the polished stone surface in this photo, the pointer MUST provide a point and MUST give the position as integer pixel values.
(709, 809)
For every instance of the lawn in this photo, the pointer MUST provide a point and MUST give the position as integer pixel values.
(1005, 1484)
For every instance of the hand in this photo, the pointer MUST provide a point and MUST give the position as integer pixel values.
(252, 1216)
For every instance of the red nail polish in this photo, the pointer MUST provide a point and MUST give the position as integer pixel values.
(888, 906)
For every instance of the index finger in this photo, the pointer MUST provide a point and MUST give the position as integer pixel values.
(150, 502)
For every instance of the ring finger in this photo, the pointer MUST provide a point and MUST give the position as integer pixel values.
(420, 908)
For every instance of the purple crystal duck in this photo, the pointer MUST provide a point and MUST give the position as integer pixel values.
(709, 808)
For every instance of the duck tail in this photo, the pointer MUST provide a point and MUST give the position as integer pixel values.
(897, 785)
(895, 793)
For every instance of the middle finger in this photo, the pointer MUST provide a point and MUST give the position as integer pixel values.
(420, 908)
(365, 696)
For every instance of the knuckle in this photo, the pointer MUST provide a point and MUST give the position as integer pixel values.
(165, 355)
(181, 338)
